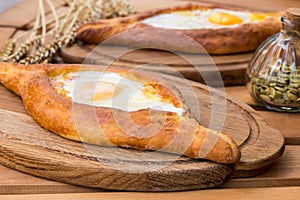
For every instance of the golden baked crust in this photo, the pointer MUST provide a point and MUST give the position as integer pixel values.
(243, 38)
(112, 127)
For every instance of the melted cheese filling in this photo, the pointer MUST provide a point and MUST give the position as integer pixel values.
(111, 90)
(203, 19)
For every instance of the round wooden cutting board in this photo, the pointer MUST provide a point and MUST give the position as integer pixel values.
(27, 147)
(232, 68)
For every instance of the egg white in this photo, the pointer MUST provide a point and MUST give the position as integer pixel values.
(196, 19)
(175, 20)
(129, 94)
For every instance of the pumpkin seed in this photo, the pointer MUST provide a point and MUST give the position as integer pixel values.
(278, 94)
(295, 80)
(265, 98)
(281, 89)
(293, 90)
(271, 92)
(291, 96)
(286, 98)
(294, 85)
(278, 101)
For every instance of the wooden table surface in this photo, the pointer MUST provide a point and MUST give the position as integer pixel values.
(281, 181)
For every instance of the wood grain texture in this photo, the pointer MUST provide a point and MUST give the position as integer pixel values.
(50, 156)
(288, 193)
(286, 123)
(284, 172)
(14, 182)
(196, 67)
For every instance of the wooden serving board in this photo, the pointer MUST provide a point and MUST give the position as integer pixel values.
(27, 147)
(232, 68)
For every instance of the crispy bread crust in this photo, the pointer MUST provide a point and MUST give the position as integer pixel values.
(165, 131)
(243, 38)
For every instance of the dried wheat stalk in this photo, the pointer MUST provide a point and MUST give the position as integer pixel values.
(44, 42)
(7, 50)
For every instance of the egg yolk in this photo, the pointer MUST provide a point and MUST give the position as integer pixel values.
(225, 19)
(105, 91)
(98, 91)
(151, 93)
(259, 17)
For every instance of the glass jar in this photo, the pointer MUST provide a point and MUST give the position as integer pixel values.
(274, 70)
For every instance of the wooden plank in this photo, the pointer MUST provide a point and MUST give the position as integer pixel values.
(14, 18)
(287, 123)
(284, 172)
(42, 189)
(241, 93)
(142, 56)
(192, 66)
(15, 182)
(287, 193)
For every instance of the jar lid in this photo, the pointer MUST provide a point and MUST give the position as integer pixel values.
(293, 14)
